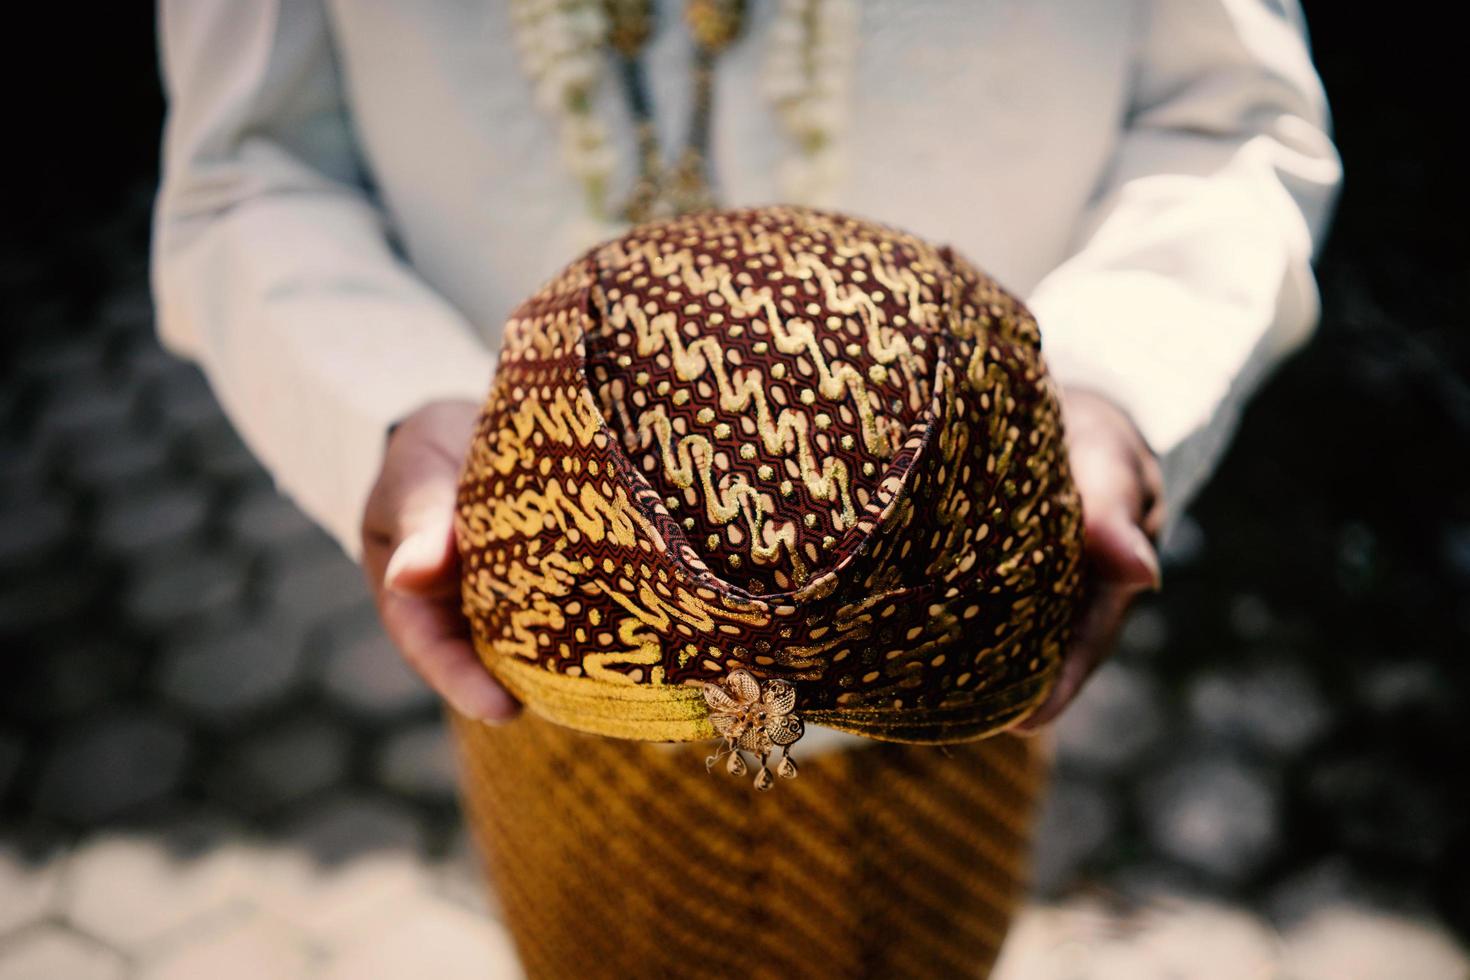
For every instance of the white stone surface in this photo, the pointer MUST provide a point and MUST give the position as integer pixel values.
(350, 892)
(1174, 941)
(132, 890)
(27, 887)
(1193, 940)
(345, 870)
(430, 937)
(256, 948)
(461, 878)
(1353, 943)
(56, 953)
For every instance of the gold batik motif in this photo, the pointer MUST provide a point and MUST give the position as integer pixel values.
(621, 859)
(781, 442)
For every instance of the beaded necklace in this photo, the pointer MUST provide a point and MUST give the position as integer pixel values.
(563, 45)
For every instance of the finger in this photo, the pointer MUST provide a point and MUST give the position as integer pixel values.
(1153, 511)
(1093, 637)
(417, 487)
(431, 636)
(425, 563)
(1120, 552)
(1112, 488)
(408, 530)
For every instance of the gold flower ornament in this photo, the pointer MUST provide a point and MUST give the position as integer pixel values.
(757, 718)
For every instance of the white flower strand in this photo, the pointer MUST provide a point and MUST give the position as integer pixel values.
(808, 81)
(561, 44)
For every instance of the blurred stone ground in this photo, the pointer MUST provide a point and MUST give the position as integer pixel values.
(212, 763)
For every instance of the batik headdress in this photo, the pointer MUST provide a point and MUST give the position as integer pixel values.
(746, 471)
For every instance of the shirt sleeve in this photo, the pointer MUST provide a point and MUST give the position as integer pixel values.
(1193, 274)
(272, 265)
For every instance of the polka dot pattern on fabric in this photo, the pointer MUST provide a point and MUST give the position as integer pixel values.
(782, 440)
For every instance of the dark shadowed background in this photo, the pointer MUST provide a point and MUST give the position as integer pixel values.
(183, 654)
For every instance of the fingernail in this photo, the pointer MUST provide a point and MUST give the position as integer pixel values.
(485, 703)
(410, 551)
(493, 716)
(1148, 557)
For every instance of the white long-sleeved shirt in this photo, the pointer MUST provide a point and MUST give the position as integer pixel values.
(357, 192)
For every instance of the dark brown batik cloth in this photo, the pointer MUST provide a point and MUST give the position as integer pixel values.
(743, 470)
(741, 473)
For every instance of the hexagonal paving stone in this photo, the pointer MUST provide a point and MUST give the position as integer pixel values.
(345, 868)
(182, 397)
(1212, 814)
(23, 471)
(1077, 820)
(347, 827)
(461, 878)
(1276, 707)
(192, 584)
(128, 307)
(12, 752)
(364, 672)
(419, 761)
(1172, 938)
(1113, 721)
(224, 673)
(54, 952)
(60, 355)
(1145, 631)
(267, 518)
(28, 886)
(127, 456)
(311, 589)
(149, 517)
(30, 532)
(75, 676)
(33, 604)
(1330, 881)
(1356, 943)
(429, 937)
(252, 947)
(215, 450)
(135, 889)
(111, 766)
(283, 765)
(83, 403)
(145, 360)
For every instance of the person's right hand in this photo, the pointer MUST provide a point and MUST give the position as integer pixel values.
(411, 562)
(1121, 487)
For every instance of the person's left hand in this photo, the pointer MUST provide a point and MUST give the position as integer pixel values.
(412, 565)
(1121, 487)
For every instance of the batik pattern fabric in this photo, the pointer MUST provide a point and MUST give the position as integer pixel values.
(777, 442)
(623, 859)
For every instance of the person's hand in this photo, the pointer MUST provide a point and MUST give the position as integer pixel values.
(1122, 511)
(411, 563)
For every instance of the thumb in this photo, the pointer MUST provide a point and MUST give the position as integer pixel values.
(1117, 549)
(424, 559)
(419, 503)
(1121, 553)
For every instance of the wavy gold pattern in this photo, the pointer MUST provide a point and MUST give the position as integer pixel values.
(777, 441)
